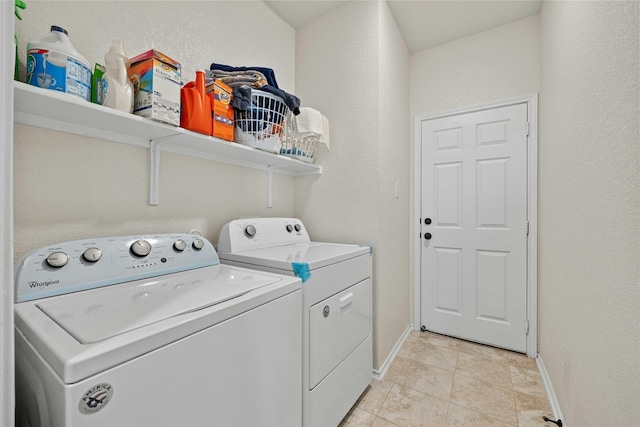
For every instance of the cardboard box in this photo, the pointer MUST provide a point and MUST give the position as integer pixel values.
(156, 82)
(221, 109)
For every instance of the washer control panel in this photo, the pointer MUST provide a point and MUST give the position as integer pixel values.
(259, 233)
(85, 264)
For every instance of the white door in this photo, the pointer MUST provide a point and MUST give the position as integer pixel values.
(474, 226)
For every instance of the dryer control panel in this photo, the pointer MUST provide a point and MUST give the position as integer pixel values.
(260, 233)
(78, 265)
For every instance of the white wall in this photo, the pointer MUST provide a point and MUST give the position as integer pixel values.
(496, 64)
(195, 33)
(343, 70)
(393, 298)
(103, 186)
(589, 210)
(493, 65)
(337, 73)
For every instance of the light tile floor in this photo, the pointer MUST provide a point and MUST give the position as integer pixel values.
(436, 380)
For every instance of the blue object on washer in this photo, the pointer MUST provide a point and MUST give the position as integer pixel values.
(301, 270)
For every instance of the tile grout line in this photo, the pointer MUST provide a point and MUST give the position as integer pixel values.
(515, 368)
(513, 393)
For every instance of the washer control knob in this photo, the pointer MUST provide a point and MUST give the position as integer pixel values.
(57, 259)
(141, 248)
(289, 228)
(198, 244)
(250, 231)
(180, 245)
(297, 227)
(92, 255)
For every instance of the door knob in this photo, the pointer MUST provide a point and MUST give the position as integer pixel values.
(427, 221)
(427, 236)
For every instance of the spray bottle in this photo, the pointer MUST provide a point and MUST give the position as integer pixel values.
(117, 90)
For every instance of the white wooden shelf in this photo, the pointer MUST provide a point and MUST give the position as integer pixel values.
(58, 111)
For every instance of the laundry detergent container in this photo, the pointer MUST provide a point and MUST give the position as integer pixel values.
(53, 63)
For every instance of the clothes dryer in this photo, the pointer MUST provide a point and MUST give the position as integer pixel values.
(153, 331)
(336, 319)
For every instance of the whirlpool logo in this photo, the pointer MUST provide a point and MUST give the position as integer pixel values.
(36, 284)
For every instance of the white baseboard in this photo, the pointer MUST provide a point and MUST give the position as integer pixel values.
(551, 394)
(379, 374)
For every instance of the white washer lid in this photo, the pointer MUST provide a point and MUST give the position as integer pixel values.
(314, 254)
(73, 361)
(97, 315)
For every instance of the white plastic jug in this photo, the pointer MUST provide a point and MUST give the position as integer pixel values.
(116, 88)
(53, 63)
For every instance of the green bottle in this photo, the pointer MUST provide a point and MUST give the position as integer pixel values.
(19, 4)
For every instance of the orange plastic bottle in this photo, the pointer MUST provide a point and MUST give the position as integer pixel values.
(195, 112)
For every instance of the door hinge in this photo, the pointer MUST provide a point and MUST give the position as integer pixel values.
(527, 228)
(527, 128)
(526, 327)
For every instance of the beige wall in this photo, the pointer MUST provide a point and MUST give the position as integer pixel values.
(337, 73)
(195, 33)
(70, 187)
(344, 68)
(393, 296)
(493, 65)
(589, 210)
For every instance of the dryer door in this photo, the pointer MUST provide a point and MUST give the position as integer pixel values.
(337, 326)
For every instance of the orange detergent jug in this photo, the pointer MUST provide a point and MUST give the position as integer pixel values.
(195, 112)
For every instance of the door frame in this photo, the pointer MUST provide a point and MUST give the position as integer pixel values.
(7, 56)
(532, 207)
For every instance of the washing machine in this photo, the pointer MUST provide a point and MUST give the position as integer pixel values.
(152, 330)
(336, 319)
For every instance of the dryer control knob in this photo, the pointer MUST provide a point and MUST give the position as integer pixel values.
(92, 255)
(289, 228)
(180, 245)
(198, 244)
(298, 227)
(57, 259)
(141, 248)
(250, 231)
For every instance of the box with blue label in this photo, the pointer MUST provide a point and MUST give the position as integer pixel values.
(156, 80)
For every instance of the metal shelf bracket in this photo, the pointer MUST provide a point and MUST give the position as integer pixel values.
(154, 172)
(269, 186)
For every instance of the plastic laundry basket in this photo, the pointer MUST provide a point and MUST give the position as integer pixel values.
(295, 147)
(262, 124)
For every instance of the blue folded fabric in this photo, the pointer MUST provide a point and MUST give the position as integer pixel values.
(292, 101)
(293, 152)
(242, 98)
(267, 72)
(301, 270)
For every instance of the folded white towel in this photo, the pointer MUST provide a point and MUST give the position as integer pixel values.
(308, 122)
(325, 132)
